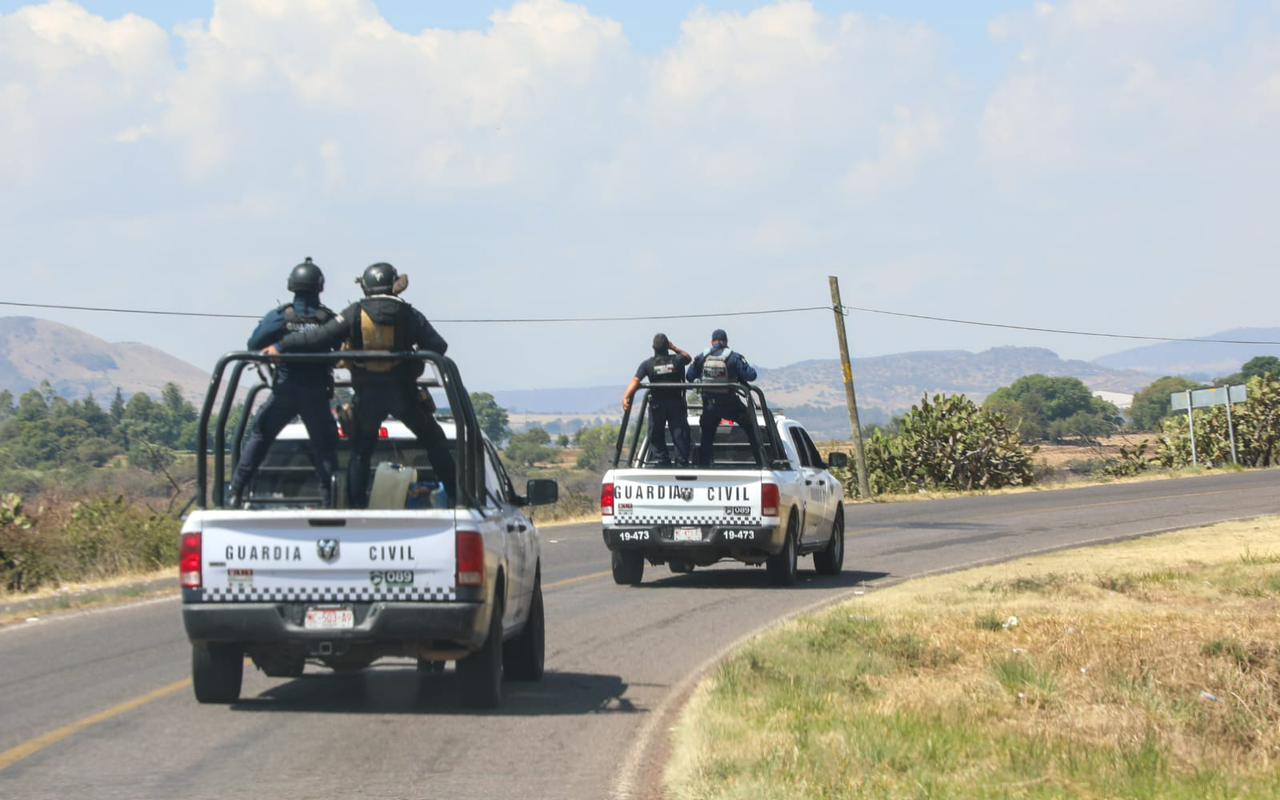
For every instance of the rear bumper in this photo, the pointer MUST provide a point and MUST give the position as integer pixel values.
(746, 542)
(440, 624)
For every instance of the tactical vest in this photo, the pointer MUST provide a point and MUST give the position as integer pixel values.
(665, 369)
(294, 322)
(715, 369)
(366, 334)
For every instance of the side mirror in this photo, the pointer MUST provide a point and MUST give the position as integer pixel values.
(838, 460)
(542, 492)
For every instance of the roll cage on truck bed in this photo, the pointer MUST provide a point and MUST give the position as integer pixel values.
(287, 580)
(763, 506)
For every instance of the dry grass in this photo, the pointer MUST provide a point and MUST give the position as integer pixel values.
(1144, 669)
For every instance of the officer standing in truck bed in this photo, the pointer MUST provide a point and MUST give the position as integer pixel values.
(720, 365)
(382, 321)
(667, 408)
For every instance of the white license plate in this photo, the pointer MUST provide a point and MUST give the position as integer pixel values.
(686, 535)
(329, 619)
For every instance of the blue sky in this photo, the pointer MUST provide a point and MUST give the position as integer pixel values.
(1097, 164)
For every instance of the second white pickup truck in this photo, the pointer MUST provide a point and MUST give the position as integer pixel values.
(758, 508)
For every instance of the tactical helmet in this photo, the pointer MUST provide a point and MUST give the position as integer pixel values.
(378, 278)
(306, 277)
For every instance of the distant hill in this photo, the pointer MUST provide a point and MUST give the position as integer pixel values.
(813, 391)
(76, 363)
(1203, 360)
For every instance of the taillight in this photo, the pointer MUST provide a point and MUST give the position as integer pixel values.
(606, 499)
(769, 499)
(383, 433)
(470, 546)
(189, 561)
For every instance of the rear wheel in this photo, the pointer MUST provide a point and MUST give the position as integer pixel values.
(782, 567)
(427, 666)
(216, 672)
(830, 559)
(628, 567)
(681, 567)
(480, 674)
(523, 655)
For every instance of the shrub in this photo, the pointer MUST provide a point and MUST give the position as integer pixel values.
(1257, 431)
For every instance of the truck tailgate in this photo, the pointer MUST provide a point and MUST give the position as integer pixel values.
(327, 556)
(694, 497)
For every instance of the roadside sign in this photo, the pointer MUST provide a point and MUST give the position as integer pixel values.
(1204, 398)
(1207, 398)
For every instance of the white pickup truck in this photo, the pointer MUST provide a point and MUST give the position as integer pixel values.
(768, 507)
(284, 580)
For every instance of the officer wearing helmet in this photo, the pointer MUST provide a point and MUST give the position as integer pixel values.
(300, 390)
(382, 321)
(720, 365)
(667, 408)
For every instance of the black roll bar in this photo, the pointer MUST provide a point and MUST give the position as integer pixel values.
(750, 392)
(470, 460)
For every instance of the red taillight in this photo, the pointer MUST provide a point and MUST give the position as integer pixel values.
(342, 432)
(189, 561)
(769, 499)
(606, 499)
(383, 433)
(470, 546)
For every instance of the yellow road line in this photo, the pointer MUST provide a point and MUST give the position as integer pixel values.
(579, 579)
(27, 749)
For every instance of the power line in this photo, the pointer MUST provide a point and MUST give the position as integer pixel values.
(656, 317)
(1054, 330)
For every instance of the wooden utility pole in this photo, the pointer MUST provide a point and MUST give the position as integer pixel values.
(859, 455)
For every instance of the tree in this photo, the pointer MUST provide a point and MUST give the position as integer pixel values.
(7, 408)
(598, 443)
(1053, 408)
(1151, 404)
(562, 441)
(1259, 366)
(492, 417)
(117, 406)
(530, 447)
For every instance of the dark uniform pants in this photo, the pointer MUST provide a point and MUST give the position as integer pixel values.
(716, 408)
(289, 400)
(375, 400)
(673, 414)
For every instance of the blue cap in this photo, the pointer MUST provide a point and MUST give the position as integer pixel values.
(718, 335)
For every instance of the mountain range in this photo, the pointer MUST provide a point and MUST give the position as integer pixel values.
(76, 363)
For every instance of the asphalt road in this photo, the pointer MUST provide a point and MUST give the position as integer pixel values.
(96, 705)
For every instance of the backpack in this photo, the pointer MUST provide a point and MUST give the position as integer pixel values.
(715, 369)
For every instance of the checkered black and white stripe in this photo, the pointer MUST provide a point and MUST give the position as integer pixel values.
(351, 594)
(665, 519)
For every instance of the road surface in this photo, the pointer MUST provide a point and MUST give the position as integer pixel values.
(97, 704)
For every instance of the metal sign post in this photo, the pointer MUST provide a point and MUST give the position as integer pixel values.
(1191, 424)
(1231, 430)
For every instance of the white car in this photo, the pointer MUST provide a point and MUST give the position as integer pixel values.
(768, 509)
(285, 580)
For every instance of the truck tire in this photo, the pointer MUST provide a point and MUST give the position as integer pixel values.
(523, 656)
(680, 567)
(782, 566)
(216, 672)
(480, 674)
(830, 559)
(628, 567)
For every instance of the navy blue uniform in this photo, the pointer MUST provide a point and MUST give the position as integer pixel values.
(300, 390)
(382, 391)
(667, 408)
(723, 404)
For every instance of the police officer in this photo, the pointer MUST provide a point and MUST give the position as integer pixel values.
(719, 364)
(382, 321)
(667, 408)
(299, 390)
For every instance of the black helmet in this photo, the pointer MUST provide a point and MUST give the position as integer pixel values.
(306, 277)
(378, 278)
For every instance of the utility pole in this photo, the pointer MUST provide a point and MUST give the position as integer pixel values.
(859, 455)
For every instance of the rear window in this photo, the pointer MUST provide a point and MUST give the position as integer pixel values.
(288, 471)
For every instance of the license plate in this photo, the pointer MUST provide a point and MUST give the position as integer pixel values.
(686, 535)
(329, 619)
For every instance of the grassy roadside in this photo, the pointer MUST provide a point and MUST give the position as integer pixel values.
(1148, 668)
